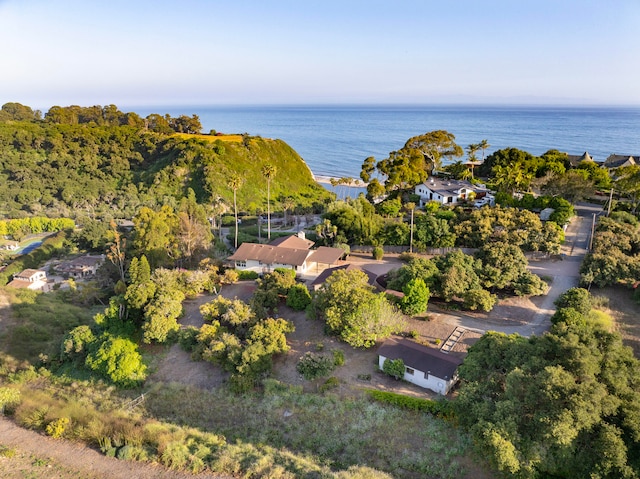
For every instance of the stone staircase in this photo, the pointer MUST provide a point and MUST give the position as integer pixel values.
(453, 338)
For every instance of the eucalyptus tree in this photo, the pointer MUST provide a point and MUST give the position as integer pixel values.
(269, 172)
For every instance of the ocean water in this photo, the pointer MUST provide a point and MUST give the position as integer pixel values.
(335, 140)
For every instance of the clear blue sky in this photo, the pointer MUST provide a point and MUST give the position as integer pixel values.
(190, 52)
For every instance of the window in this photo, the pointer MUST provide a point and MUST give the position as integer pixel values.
(241, 264)
(409, 371)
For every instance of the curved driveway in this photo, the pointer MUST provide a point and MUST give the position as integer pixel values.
(565, 274)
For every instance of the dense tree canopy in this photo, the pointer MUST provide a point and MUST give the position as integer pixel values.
(352, 311)
(560, 405)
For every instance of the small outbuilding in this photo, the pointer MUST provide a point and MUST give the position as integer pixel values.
(426, 367)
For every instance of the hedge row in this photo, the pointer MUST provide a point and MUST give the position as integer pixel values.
(441, 409)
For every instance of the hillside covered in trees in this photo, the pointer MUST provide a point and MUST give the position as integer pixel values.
(108, 163)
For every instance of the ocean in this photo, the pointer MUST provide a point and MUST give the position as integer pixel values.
(335, 140)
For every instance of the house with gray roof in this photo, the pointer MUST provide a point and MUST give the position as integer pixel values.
(426, 367)
(617, 161)
(575, 160)
(448, 191)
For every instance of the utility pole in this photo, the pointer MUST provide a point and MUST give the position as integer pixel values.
(610, 200)
(593, 227)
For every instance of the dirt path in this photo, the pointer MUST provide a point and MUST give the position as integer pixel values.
(46, 455)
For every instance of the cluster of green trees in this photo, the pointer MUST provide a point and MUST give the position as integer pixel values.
(240, 341)
(615, 253)
(147, 306)
(352, 310)
(80, 166)
(565, 404)
(18, 228)
(357, 221)
(470, 279)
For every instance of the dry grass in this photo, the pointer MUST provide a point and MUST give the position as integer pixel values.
(229, 138)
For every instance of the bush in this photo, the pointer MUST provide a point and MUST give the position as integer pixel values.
(298, 297)
(313, 365)
(378, 253)
(331, 383)
(118, 359)
(57, 427)
(437, 408)
(394, 368)
(338, 357)
(9, 399)
(245, 275)
(479, 299)
(576, 298)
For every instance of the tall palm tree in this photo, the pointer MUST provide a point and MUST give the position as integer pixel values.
(411, 207)
(269, 171)
(484, 144)
(235, 182)
(472, 149)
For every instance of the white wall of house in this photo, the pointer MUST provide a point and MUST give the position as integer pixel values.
(258, 267)
(424, 379)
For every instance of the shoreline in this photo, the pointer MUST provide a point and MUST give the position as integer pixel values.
(355, 183)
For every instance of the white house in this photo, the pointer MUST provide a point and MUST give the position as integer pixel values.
(425, 367)
(448, 191)
(35, 279)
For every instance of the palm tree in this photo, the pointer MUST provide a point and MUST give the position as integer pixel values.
(411, 207)
(472, 149)
(235, 182)
(484, 144)
(269, 171)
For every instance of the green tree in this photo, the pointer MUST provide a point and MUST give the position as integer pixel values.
(352, 311)
(118, 360)
(298, 297)
(416, 297)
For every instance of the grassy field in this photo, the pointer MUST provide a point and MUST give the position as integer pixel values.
(228, 138)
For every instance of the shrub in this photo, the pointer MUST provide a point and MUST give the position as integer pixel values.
(7, 452)
(9, 399)
(118, 359)
(338, 357)
(576, 298)
(244, 275)
(416, 297)
(378, 253)
(313, 365)
(394, 368)
(331, 383)
(57, 427)
(479, 299)
(437, 408)
(414, 334)
(298, 297)
(230, 276)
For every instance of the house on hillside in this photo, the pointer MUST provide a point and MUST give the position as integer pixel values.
(616, 161)
(35, 279)
(425, 367)
(81, 267)
(11, 245)
(448, 192)
(291, 252)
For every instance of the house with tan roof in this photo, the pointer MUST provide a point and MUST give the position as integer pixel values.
(575, 160)
(80, 267)
(292, 252)
(426, 367)
(35, 279)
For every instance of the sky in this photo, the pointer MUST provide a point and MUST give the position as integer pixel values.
(197, 52)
